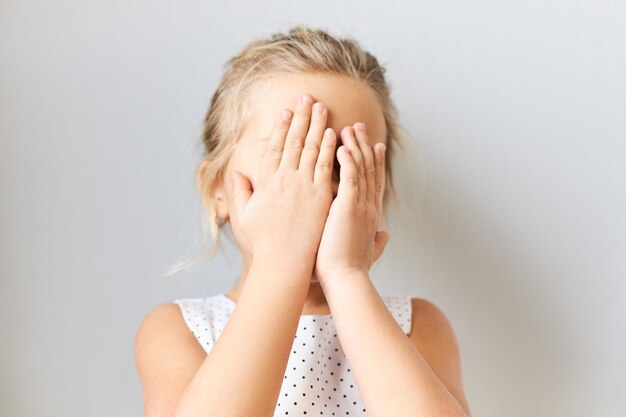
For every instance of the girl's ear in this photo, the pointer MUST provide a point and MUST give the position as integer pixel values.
(212, 193)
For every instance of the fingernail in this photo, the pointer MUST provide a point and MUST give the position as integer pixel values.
(305, 99)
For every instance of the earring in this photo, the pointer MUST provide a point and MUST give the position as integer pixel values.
(219, 221)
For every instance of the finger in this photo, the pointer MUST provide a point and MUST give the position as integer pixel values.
(313, 140)
(325, 161)
(348, 176)
(274, 150)
(380, 241)
(380, 155)
(350, 141)
(369, 167)
(297, 133)
(242, 189)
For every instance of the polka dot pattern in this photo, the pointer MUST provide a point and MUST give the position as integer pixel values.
(318, 380)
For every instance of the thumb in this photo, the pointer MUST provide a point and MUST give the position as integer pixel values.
(380, 241)
(242, 189)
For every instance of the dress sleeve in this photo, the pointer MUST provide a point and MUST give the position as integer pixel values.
(198, 320)
(401, 309)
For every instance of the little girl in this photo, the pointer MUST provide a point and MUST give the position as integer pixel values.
(298, 142)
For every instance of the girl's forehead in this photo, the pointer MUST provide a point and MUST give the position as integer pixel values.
(348, 101)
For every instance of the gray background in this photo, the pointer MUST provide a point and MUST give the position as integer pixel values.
(513, 185)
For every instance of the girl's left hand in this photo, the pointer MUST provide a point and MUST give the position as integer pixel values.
(351, 241)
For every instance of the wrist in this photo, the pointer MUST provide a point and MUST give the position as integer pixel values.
(288, 268)
(340, 279)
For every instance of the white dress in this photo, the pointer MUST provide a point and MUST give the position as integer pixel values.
(318, 380)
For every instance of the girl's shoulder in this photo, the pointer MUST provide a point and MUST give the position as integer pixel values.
(166, 357)
(426, 316)
(433, 336)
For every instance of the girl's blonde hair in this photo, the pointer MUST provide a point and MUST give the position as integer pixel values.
(300, 50)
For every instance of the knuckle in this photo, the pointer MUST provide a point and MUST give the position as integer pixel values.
(296, 142)
(324, 165)
(371, 172)
(283, 128)
(351, 181)
(323, 191)
(311, 146)
(275, 149)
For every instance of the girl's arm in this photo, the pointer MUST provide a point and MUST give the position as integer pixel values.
(393, 377)
(244, 372)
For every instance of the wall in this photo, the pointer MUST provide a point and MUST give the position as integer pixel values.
(513, 186)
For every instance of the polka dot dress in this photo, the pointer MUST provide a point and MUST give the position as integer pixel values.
(318, 380)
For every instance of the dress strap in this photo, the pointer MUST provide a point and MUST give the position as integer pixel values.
(400, 308)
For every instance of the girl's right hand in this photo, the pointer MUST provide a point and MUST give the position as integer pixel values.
(285, 216)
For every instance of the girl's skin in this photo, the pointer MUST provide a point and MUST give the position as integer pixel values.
(289, 230)
(346, 104)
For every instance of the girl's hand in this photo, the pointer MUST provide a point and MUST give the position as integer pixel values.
(350, 241)
(284, 218)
